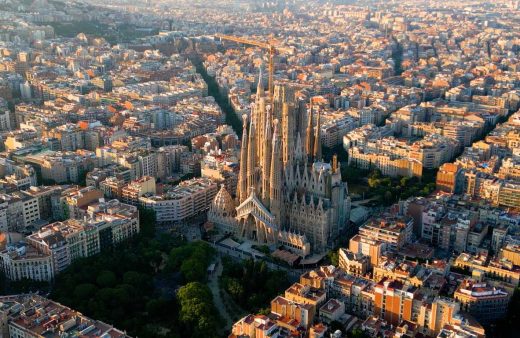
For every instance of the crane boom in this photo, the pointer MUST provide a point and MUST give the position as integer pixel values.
(267, 46)
(245, 41)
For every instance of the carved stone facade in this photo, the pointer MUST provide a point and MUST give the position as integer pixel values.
(285, 194)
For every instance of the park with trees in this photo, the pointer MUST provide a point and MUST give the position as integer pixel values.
(251, 284)
(386, 190)
(153, 285)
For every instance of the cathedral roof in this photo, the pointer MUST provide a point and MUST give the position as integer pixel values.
(223, 201)
(257, 202)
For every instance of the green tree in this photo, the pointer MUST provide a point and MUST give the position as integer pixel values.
(235, 289)
(388, 196)
(155, 307)
(194, 270)
(252, 284)
(132, 278)
(334, 257)
(197, 311)
(357, 333)
(122, 287)
(147, 221)
(106, 279)
(84, 291)
(192, 260)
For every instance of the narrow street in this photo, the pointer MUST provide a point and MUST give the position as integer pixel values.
(397, 56)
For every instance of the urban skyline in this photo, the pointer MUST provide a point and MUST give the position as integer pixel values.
(248, 169)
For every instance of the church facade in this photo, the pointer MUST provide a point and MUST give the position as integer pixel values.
(286, 195)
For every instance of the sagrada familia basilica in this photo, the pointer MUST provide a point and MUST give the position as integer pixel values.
(286, 195)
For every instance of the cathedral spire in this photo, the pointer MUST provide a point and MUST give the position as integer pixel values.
(275, 180)
(266, 159)
(251, 157)
(317, 138)
(287, 133)
(298, 149)
(242, 178)
(309, 137)
(260, 117)
(260, 91)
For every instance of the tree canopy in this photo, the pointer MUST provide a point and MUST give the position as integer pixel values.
(251, 284)
(133, 286)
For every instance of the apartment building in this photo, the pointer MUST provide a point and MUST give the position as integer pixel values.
(450, 178)
(44, 196)
(390, 164)
(482, 300)
(333, 130)
(285, 308)
(112, 187)
(367, 246)
(394, 301)
(304, 294)
(189, 198)
(70, 136)
(65, 242)
(499, 268)
(168, 160)
(253, 326)
(405, 271)
(331, 311)
(359, 136)
(19, 210)
(73, 201)
(353, 263)
(433, 151)
(21, 176)
(21, 260)
(116, 221)
(509, 195)
(442, 311)
(31, 316)
(51, 249)
(131, 192)
(64, 167)
(395, 231)
(511, 252)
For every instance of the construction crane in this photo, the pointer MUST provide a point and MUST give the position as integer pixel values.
(264, 45)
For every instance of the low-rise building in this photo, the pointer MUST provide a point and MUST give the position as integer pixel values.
(332, 310)
(304, 294)
(511, 252)
(487, 303)
(252, 326)
(355, 264)
(302, 313)
(501, 269)
(369, 247)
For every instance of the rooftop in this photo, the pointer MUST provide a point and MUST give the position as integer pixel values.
(46, 318)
